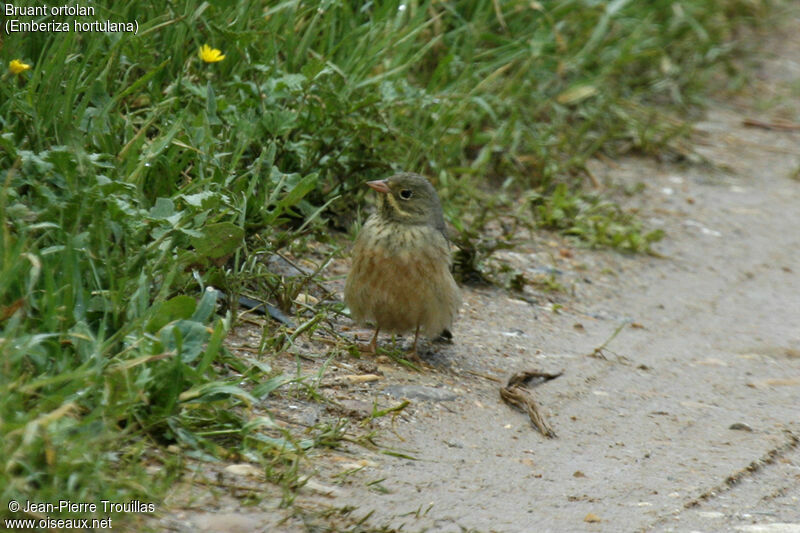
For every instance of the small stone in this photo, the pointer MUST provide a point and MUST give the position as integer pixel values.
(740, 426)
(244, 470)
(591, 518)
(305, 299)
(321, 488)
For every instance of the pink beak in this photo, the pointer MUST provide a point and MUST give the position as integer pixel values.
(379, 185)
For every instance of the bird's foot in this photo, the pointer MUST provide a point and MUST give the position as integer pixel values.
(369, 348)
(414, 357)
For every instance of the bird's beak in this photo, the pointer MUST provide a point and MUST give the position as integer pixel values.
(379, 185)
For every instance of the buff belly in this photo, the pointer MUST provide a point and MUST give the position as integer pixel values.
(400, 279)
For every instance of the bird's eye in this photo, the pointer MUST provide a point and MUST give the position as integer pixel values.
(405, 194)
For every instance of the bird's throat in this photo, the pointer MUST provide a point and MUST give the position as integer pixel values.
(390, 206)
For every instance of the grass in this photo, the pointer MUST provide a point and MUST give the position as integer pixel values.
(140, 185)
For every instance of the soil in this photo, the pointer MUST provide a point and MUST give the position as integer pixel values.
(687, 420)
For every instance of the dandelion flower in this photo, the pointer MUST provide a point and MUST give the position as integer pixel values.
(18, 67)
(210, 55)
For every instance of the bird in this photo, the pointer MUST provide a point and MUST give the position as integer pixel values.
(400, 277)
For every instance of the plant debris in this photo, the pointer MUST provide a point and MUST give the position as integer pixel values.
(516, 394)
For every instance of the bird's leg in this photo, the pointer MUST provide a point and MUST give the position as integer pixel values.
(413, 353)
(373, 344)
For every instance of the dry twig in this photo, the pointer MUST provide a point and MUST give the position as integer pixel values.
(515, 393)
(777, 124)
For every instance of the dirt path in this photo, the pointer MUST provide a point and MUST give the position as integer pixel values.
(647, 438)
(692, 420)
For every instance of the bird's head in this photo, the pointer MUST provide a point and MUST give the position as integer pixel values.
(409, 198)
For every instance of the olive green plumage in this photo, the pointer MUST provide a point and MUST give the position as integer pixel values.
(400, 278)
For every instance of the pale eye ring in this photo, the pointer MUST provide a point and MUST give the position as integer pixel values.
(406, 194)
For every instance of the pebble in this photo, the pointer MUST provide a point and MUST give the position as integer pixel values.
(245, 470)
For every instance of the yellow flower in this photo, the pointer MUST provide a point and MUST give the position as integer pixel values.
(18, 67)
(210, 55)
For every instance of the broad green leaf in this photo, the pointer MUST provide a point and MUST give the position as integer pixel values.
(179, 307)
(218, 240)
(163, 209)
